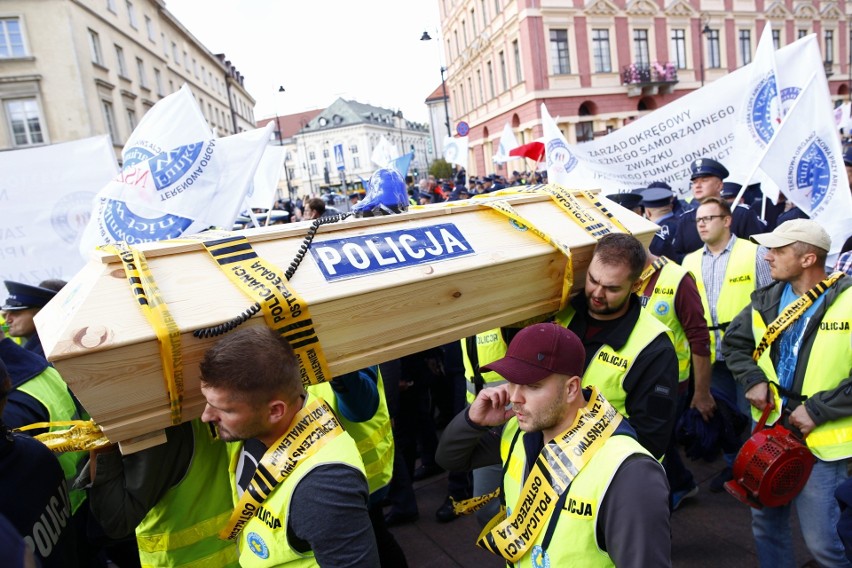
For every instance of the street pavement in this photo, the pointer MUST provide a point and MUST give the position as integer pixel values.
(708, 530)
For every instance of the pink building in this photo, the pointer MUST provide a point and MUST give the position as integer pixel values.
(598, 64)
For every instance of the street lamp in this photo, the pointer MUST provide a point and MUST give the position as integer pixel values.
(281, 143)
(427, 37)
(307, 164)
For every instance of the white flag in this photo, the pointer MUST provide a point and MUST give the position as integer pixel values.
(174, 121)
(264, 187)
(384, 153)
(508, 142)
(46, 197)
(842, 117)
(182, 191)
(806, 161)
(563, 165)
(455, 150)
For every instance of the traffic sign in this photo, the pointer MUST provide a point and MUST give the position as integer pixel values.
(462, 128)
(338, 156)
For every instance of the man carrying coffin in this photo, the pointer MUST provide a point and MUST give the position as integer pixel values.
(578, 487)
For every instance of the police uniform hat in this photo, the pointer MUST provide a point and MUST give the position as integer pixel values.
(23, 296)
(707, 167)
(847, 155)
(730, 189)
(626, 200)
(656, 197)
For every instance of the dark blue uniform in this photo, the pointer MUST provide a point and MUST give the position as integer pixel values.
(663, 242)
(744, 224)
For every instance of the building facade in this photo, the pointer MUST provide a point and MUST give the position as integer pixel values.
(311, 166)
(598, 64)
(71, 69)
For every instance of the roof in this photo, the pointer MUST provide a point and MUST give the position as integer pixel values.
(290, 124)
(437, 94)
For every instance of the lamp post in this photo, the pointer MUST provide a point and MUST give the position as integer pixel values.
(306, 163)
(427, 37)
(705, 30)
(281, 143)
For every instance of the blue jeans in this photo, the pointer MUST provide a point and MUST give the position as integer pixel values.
(722, 380)
(818, 516)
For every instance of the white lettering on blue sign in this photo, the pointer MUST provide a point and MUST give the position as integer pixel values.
(366, 254)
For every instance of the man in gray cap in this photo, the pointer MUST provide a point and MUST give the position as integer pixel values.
(791, 345)
(707, 176)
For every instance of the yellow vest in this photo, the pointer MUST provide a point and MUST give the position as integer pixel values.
(739, 282)
(828, 365)
(608, 368)
(574, 542)
(263, 541)
(51, 391)
(490, 346)
(661, 306)
(374, 437)
(182, 529)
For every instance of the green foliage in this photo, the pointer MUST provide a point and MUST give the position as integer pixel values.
(440, 168)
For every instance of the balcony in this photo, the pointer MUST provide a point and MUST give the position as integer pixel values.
(643, 79)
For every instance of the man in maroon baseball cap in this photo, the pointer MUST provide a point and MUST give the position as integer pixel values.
(565, 444)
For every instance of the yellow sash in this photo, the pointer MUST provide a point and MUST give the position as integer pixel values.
(314, 426)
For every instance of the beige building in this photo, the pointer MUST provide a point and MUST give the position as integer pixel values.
(72, 69)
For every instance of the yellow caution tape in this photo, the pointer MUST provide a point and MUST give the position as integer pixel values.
(155, 310)
(568, 278)
(604, 211)
(468, 506)
(83, 435)
(568, 203)
(283, 310)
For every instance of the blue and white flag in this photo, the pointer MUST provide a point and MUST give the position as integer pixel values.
(402, 163)
(806, 161)
(508, 142)
(563, 165)
(455, 150)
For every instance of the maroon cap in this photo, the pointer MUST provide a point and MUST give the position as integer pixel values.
(538, 351)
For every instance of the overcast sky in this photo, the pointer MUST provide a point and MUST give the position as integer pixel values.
(319, 50)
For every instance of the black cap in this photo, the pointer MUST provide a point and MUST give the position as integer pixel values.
(656, 197)
(626, 200)
(707, 167)
(23, 296)
(662, 184)
(730, 189)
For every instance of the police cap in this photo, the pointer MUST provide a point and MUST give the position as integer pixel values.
(23, 296)
(626, 200)
(656, 197)
(707, 167)
(730, 189)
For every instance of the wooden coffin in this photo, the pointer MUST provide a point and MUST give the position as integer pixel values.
(98, 339)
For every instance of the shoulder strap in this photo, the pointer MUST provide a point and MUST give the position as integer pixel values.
(473, 358)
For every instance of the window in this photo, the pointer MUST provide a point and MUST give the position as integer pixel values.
(158, 81)
(503, 75)
(325, 154)
(561, 64)
(802, 33)
(175, 53)
(519, 69)
(464, 33)
(111, 6)
(456, 36)
(491, 78)
(585, 131)
(353, 148)
(25, 122)
(480, 85)
(714, 57)
(312, 156)
(149, 26)
(143, 79)
(356, 162)
(776, 39)
(122, 65)
(472, 94)
(11, 39)
(484, 13)
(745, 46)
(641, 53)
(131, 15)
(600, 51)
(496, 6)
(195, 67)
(165, 45)
(828, 36)
(95, 45)
(131, 118)
(473, 22)
(678, 48)
(186, 61)
(109, 120)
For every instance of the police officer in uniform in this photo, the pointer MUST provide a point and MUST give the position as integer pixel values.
(22, 304)
(707, 176)
(657, 202)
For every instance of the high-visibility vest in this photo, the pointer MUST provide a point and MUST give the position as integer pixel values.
(608, 368)
(739, 282)
(51, 391)
(661, 305)
(182, 529)
(263, 540)
(574, 541)
(828, 364)
(373, 437)
(490, 346)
